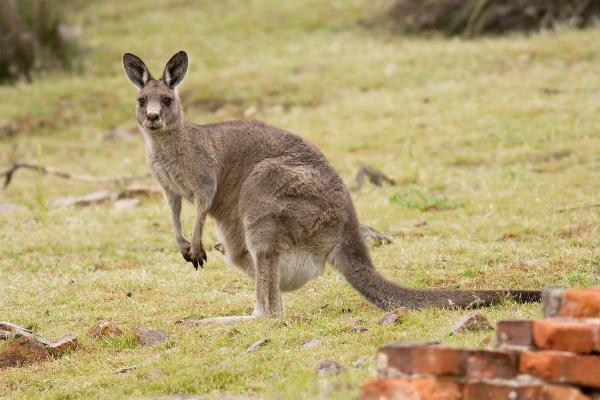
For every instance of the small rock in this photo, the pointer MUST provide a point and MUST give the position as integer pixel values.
(136, 190)
(155, 374)
(119, 133)
(105, 328)
(310, 344)
(148, 336)
(220, 248)
(388, 319)
(8, 329)
(125, 204)
(24, 350)
(391, 317)
(370, 235)
(359, 328)
(254, 346)
(250, 111)
(8, 208)
(328, 367)
(66, 344)
(361, 360)
(100, 197)
(9, 128)
(486, 341)
(472, 322)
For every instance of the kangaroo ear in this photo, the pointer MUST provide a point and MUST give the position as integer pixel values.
(136, 70)
(175, 69)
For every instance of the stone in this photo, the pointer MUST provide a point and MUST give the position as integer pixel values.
(472, 322)
(310, 344)
(22, 351)
(8, 329)
(148, 336)
(125, 204)
(392, 317)
(256, 345)
(358, 328)
(8, 208)
(105, 329)
(374, 237)
(328, 367)
(220, 248)
(361, 360)
(119, 134)
(62, 346)
(100, 197)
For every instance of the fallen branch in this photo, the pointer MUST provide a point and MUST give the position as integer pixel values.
(562, 210)
(10, 171)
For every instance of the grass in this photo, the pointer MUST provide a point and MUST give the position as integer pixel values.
(505, 128)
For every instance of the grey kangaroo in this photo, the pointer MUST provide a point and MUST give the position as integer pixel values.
(282, 211)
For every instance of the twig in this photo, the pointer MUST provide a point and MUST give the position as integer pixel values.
(562, 210)
(10, 171)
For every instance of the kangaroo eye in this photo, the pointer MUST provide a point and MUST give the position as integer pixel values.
(141, 101)
(167, 101)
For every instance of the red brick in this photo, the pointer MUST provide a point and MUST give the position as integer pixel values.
(574, 335)
(421, 359)
(502, 391)
(513, 333)
(480, 364)
(515, 390)
(410, 389)
(555, 392)
(442, 361)
(562, 367)
(580, 303)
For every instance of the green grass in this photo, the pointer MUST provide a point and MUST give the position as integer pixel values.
(497, 134)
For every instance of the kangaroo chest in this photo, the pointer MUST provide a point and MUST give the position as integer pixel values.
(171, 175)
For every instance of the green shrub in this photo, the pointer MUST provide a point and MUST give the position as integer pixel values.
(34, 36)
(476, 17)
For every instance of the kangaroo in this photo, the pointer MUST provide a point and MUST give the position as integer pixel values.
(282, 212)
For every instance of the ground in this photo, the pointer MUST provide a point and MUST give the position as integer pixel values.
(489, 141)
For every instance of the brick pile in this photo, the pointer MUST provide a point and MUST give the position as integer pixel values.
(554, 358)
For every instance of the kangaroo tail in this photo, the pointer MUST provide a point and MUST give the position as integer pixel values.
(352, 259)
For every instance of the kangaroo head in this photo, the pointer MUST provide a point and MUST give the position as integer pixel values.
(158, 108)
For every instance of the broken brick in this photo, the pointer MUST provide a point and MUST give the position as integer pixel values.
(577, 303)
(442, 361)
(420, 359)
(574, 335)
(562, 367)
(514, 333)
(410, 389)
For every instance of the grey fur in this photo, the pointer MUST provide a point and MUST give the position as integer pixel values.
(282, 211)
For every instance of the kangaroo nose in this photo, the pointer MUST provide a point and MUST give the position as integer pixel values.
(152, 116)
